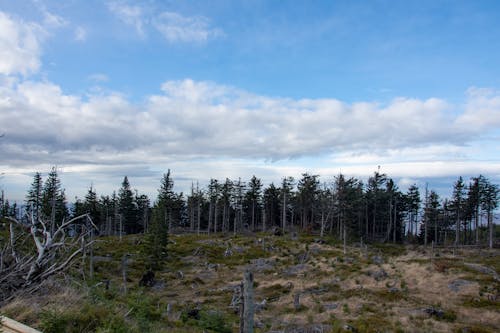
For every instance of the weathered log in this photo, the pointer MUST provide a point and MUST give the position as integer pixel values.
(247, 306)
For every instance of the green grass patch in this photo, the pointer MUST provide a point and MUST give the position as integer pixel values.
(274, 292)
(371, 323)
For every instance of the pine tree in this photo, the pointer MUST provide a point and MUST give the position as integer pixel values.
(91, 206)
(271, 203)
(143, 211)
(213, 208)
(412, 199)
(431, 216)
(489, 202)
(307, 191)
(287, 184)
(127, 208)
(54, 207)
(226, 190)
(458, 205)
(348, 202)
(34, 197)
(377, 203)
(474, 202)
(252, 202)
(162, 214)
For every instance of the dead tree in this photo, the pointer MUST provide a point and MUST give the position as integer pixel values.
(35, 253)
(246, 304)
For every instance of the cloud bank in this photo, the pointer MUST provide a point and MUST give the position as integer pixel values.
(203, 129)
(204, 119)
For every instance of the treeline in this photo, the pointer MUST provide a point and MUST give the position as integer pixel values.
(344, 207)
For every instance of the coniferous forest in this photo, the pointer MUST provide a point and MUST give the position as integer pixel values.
(322, 253)
(343, 207)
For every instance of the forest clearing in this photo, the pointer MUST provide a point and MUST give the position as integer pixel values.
(336, 166)
(301, 284)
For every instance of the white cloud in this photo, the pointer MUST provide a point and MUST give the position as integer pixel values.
(482, 109)
(205, 119)
(202, 130)
(80, 34)
(98, 77)
(174, 27)
(177, 28)
(19, 45)
(52, 20)
(132, 15)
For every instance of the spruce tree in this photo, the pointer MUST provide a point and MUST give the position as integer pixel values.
(127, 208)
(458, 201)
(252, 201)
(412, 200)
(91, 205)
(54, 206)
(489, 202)
(162, 213)
(34, 197)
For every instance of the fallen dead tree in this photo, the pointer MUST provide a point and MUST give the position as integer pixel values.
(8, 325)
(33, 253)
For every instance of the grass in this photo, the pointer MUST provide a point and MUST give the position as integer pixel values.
(208, 279)
(371, 323)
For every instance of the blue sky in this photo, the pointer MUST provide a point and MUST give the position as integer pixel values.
(104, 89)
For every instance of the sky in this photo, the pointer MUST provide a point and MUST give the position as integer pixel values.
(216, 89)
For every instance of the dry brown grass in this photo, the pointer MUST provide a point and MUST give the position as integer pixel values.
(413, 283)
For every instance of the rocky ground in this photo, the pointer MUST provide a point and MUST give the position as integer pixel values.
(304, 284)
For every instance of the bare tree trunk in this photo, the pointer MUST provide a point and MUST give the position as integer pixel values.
(426, 214)
(389, 226)
(395, 221)
(345, 238)
(12, 242)
(436, 230)
(253, 215)
(91, 253)
(366, 219)
(198, 203)
(216, 215)
(283, 216)
(210, 207)
(490, 227)
(296, 301)
(432, 253)
(322, 224)
(246, 324)
(53, 215)
(191, 215)
(476, 220)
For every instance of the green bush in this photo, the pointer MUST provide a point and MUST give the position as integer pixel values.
(87, 319)
(214, 321)
(205, 319)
